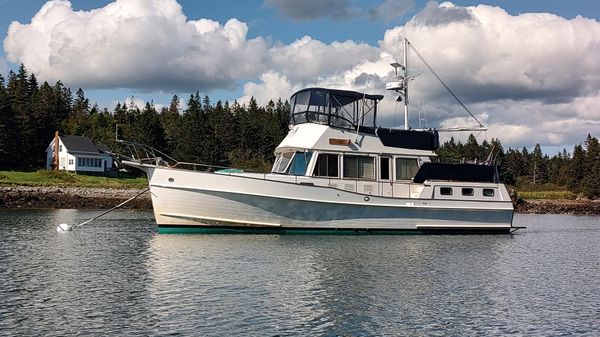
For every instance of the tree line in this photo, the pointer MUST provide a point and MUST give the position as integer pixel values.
(578, 172)
(231, 134)
(224, 134)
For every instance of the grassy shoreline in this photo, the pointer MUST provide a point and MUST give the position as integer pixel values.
(44, 178)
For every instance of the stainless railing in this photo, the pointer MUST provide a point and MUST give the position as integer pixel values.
(145, 154)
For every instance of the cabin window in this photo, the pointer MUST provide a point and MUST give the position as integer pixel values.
(299, 163)
(384, 168)
(361, 167)
(406, 168)
(327, 165)
(488, 192)
(446, 190)
(282, 161)
(467, 192)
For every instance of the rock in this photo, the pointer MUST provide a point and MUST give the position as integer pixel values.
(70, 197)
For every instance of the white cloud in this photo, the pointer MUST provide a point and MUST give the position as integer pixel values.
(134, 44)
(3, 66)
(307, 59)
(315, 9)
(304, 10)
(391, 9)
(491, 54)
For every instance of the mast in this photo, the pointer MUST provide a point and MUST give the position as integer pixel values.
(400, 85)
(406, 127)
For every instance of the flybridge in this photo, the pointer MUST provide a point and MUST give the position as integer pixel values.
(351, 110)
(337, 108)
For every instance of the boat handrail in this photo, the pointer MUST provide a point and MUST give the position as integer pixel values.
(143, 154)
(206, 167)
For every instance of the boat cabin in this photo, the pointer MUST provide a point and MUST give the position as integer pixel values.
(334, 141)
(333, 134)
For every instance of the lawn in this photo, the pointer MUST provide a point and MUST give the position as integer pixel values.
(61, 178)
(544, 191)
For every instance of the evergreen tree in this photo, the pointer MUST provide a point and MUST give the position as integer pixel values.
(190, 140)
(538, 165)
(149, 128)
(170, 119)
(9, 147)
(42, 125)
(77, 123)
(471, 149)
(591, 167)
(577, 169)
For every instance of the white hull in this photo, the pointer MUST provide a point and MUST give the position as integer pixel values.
(190, 199)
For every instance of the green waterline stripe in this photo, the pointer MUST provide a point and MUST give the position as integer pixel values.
(312, 231)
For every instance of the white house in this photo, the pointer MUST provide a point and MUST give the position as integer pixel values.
(78, 154)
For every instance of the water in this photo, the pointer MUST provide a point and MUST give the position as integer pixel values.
(115, 276)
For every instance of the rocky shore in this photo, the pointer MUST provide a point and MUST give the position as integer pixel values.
(581, 207)
(104, 198)
(70, 197)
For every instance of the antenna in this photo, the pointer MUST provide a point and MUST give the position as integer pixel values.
(400, 85)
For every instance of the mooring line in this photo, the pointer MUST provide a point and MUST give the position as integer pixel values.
(66, 227)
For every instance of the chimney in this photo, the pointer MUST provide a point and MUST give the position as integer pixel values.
(55, 152)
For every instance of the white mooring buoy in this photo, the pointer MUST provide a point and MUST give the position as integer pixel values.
(64, 227)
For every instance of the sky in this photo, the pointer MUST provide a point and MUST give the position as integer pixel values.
(528, 70)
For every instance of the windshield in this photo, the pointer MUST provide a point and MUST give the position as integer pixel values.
(339, 108)
(299, 163)
(281, 162)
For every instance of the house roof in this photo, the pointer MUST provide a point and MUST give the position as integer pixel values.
(103, 148)
(79, 144)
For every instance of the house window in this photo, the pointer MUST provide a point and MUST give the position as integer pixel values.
(361, 167)
(446, 190)
(60, 148)
(70, 161)
(406, 168)
(467, 192)
(327, 165)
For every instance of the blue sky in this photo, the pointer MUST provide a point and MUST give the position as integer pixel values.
(274, 47)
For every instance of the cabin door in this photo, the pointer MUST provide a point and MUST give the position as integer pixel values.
(385, 176)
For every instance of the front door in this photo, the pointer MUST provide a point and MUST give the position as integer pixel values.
(385, 175)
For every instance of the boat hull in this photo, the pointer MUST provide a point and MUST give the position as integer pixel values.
(188, 202)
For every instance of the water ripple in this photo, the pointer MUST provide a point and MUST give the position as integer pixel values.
(115, 276)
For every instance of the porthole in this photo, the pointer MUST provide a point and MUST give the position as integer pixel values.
(446, 190)
(488, 192)
(171, 180)
(467, 192)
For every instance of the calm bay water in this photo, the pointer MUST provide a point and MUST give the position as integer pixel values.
(115, 276)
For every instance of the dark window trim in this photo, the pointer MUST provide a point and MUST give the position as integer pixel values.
(467, 191)
(490, 192)
(445, 190)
